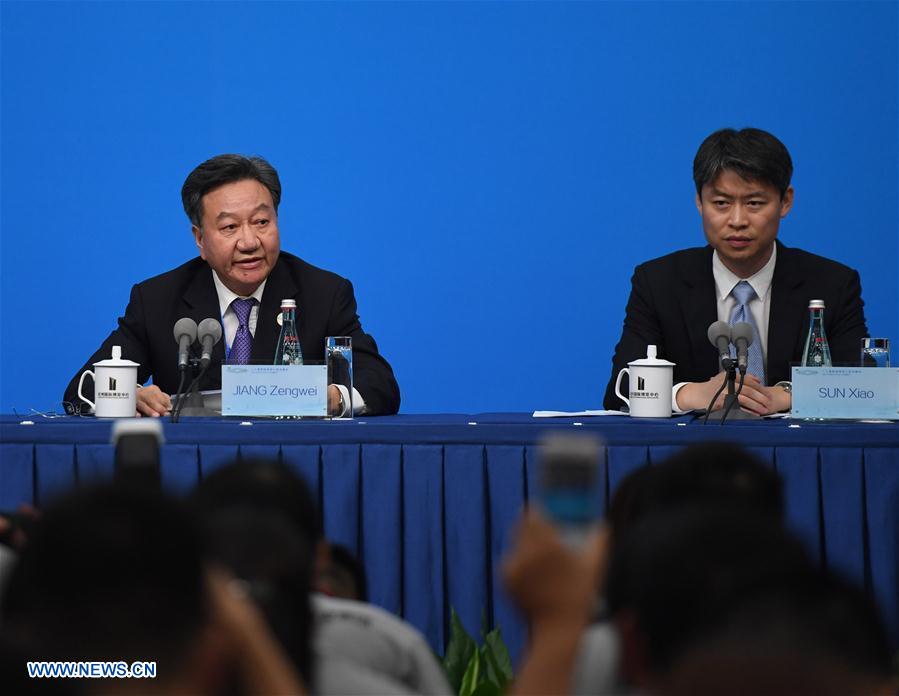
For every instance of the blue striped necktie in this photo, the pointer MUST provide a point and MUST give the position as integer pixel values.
(743, 292)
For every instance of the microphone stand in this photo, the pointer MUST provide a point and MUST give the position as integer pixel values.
(731, 409)
(191, 403)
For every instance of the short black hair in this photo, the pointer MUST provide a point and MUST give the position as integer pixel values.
(261, 483)
(701, 474)
(753, 154)
(259, 519)
(263, 549)
(785, 639)
(681, 572)
(347, 568)
(226, 169)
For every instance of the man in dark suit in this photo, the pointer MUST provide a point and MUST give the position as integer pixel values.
(742, 192)
(241, 278)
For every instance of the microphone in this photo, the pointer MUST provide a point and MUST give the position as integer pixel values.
(741, 335)
(185, 335)
(210, 332)
(719, 336)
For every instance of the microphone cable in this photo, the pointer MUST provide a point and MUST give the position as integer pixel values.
(180, 405)
(708, 411)
(736, 397)
(173, 418)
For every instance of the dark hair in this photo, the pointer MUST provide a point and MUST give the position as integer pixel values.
(226, 169)
(819, 636)
(262, 484)
(111, 573)
(709, 473)
(681, 573)
(753, 154)
(259, 519)
(347, 572)
(263, 549)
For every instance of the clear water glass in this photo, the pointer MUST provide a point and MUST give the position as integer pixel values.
(339, 357)
(875, 352)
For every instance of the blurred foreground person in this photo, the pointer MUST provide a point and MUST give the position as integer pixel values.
(707, 602)
(115, 574)
(698, 476)
(697, 556)
(818, 638)
(352, 647)
(555, 587)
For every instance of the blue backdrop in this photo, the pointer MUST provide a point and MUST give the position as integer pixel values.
(487, 174)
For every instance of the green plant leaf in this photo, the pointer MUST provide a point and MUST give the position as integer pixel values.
(500, 654)
(459, 652)
(472, 675)
(490, 667)
(486, 688)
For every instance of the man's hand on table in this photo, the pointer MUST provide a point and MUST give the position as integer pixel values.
(335, 405)
(755, 397)
(152, 401)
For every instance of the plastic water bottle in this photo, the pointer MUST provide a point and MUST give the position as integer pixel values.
(289, 352)
(817, 352)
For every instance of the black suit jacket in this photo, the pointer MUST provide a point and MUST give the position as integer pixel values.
(326, 306)
(673, 302)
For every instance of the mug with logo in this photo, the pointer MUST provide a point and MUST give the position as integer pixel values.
(115, 386)
(650, 380)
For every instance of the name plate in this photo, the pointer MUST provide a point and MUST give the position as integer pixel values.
(846, 392)
(274, 390)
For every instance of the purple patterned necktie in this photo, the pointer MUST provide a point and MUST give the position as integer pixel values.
(243, 339)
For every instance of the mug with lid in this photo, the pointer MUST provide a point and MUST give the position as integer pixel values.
(650, 380)
(115, 386)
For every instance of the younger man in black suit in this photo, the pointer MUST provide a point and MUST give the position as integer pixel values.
(241, 277)
(742, 192)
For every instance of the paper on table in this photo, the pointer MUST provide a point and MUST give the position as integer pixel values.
(568, 414)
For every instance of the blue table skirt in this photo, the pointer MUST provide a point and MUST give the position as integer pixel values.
(428, 502)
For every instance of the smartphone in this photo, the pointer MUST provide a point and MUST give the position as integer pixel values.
(569, 488)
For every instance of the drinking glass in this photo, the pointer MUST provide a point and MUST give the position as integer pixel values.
(339, 357)
(875, 352)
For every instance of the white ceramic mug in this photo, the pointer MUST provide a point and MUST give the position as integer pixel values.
(650, 380)
(115, 387)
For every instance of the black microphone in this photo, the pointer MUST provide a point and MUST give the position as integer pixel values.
(741, 335)
(210, 332)
(719, 335)
(185, 335)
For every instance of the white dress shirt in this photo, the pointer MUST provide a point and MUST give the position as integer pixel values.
(759, 306)
(230, 324)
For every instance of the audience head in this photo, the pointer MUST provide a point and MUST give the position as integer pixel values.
(672, 576)
(258, 519)
(111, 573)
(713, 473)
(818, 637)
(273, 563)
(260, 484)
(343, 576)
